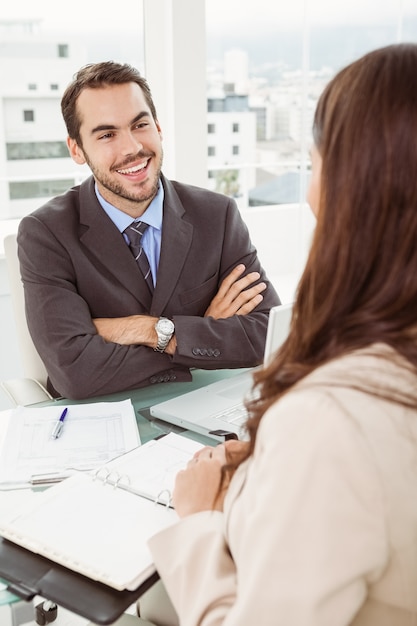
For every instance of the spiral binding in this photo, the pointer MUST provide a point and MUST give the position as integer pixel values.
(122, 481)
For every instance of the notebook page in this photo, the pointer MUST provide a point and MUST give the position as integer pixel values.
(90, 525)
(93, 529)
(151, 469)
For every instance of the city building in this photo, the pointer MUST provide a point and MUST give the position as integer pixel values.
(34, 71)
(231, 145)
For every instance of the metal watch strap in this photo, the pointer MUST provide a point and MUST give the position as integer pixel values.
(163, 339)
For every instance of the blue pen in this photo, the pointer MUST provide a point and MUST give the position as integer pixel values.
(57, 430)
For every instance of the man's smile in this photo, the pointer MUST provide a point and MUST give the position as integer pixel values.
(134, 169)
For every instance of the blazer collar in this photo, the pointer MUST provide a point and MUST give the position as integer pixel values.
(177, 235)
(105, 243)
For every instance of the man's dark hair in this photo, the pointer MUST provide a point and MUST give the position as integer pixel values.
(95, 76)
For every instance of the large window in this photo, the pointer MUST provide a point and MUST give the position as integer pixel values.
(235, 84)
(266, 66)
(273, 61)
(38, 57)
(26, 150)
(39, 188)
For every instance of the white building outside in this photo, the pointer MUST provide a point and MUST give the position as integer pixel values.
(34, 71)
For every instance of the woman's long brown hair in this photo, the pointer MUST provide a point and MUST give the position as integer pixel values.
(359, 285)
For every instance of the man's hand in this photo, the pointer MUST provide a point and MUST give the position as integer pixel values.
(235, 296)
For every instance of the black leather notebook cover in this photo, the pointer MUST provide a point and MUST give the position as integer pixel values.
(29, 574)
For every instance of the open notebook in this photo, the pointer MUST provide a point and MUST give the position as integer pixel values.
(97, 524)
(218, 408)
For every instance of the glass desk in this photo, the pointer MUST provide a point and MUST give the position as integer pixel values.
(145, 397)
(5, 596)
(14, 610)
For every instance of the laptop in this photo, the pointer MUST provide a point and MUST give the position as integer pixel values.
(217, 410)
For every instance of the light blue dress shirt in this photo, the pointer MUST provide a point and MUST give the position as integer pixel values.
(151, 239)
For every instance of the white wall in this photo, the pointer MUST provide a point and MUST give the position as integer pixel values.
(10, 364)
(282, 236)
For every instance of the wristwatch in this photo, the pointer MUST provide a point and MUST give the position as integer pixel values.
(164, 329)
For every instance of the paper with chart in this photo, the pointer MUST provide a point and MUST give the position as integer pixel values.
(93, 434)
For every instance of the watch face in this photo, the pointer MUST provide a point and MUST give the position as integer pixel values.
(165, 326)
(164, 329)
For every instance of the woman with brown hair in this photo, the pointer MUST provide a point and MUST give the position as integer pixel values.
(314, 521)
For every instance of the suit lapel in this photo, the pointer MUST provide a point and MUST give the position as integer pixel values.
(106, 244)
(176, 241)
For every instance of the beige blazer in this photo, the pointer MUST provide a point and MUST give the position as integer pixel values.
(320, 526)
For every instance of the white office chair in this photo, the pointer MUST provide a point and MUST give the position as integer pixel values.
(32, 388)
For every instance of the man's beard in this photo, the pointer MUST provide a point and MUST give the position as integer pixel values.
(118, 189)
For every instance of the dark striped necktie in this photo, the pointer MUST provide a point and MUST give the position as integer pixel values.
(134, 233)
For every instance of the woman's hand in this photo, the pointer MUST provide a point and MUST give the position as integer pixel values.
(197, 488)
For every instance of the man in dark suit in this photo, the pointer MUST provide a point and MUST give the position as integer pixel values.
(98, 324)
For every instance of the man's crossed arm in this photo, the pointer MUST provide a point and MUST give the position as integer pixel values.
(236, 296)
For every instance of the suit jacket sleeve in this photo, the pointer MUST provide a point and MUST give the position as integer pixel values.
(79, 362)
(76, 266)
(237, 341)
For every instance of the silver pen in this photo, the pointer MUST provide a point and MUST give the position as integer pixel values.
(57, 429)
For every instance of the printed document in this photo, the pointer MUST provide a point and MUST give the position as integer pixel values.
(92, 435)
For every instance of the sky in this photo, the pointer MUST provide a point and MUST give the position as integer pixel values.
(82, 15)
(256, 14)
(262, 25)
(222, 15)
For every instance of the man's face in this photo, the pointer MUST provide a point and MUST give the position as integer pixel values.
(122, 145)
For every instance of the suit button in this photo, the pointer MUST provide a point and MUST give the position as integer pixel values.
(172, 377)
(216, 352)
(167, 378)
(152, 380)
(210, 352)
(196, 351)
